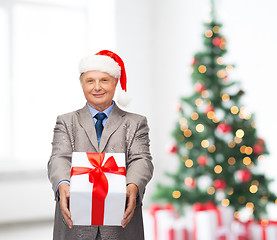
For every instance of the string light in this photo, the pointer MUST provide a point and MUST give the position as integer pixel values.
(220, 60)
(225, 202)
(211, 190)
(215, 120)
(189, 145)
(221, 74)
(198, 102)
(225, 97)
(231, 161)
(187, 133)
(248, 150)
(234, 110)
(202, 69)
(264, 222)
(238, 140)
(188, 181)
(231, 144)
(209, 33)
(249, 205)
(189, 163)
(183, 123)
(218, 169)
(176, 194)
(240, 133)
(247, 161)
(230, 192)
(199, 127)
(216, 29)
(229, 68)
(261, 157)
(211, 148)
(211, 115)
(223, 43)
(194, 116)
(242, 149)
(253, 189)
(205, 143)
(205, 94)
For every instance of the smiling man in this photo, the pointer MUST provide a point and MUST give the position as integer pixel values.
(121, 132)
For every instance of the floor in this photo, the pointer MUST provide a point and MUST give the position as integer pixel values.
(33, 231)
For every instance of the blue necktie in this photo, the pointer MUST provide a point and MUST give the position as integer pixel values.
(99, 124)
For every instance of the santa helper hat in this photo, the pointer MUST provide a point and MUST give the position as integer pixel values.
(108, 62)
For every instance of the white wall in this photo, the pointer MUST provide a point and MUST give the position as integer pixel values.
(158, 39)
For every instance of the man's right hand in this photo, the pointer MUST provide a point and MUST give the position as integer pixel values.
(64, 203)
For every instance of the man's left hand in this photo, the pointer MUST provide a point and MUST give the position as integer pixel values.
(131, 195)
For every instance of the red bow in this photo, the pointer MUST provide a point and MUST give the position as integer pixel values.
(100, 182)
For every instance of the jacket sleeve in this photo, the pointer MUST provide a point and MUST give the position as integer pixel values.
(139, 160)
(59, 164)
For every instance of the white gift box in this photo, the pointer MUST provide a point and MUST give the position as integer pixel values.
(259, 232)
(211, 222)
(85, 184)
(163, 224)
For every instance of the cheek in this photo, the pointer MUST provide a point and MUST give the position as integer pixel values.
(86, 89)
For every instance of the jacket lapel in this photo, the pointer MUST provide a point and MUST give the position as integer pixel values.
(86, 121)
(113, 122)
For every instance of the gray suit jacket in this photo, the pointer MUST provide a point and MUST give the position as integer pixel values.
(124, 132)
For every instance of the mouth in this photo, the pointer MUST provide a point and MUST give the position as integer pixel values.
(98, 95)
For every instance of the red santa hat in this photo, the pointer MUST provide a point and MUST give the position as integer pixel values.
(105, 61)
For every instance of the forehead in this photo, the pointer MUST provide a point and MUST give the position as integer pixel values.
(96, 75)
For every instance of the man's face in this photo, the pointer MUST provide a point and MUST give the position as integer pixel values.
(98, 88)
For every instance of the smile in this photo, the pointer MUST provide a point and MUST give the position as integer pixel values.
(98, 95)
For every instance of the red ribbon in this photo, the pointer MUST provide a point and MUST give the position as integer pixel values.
(100, 182)
(264, 224)
(205, 207)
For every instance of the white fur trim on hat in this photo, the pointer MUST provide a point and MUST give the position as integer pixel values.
(100, 63)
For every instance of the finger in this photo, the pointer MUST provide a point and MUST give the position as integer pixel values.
(65, 211)
(129, 212)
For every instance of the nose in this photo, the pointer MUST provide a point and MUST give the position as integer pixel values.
(97, 85)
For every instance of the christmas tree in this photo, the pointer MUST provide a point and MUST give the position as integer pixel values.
(216, 139)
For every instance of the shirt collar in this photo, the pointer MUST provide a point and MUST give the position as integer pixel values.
(107, 111)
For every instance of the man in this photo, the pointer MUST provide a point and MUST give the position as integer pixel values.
(120, 132)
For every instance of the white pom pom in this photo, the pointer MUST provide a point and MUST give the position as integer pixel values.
(123, 98)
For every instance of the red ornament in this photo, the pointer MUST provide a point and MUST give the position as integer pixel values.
(202, 160)
(258, 149)
(217, 41)
(199, 87)
(194, 61)
(243, 175)
(224, 128)
(219, 184)
(172, 149)
(261, 141)
(209, 109)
